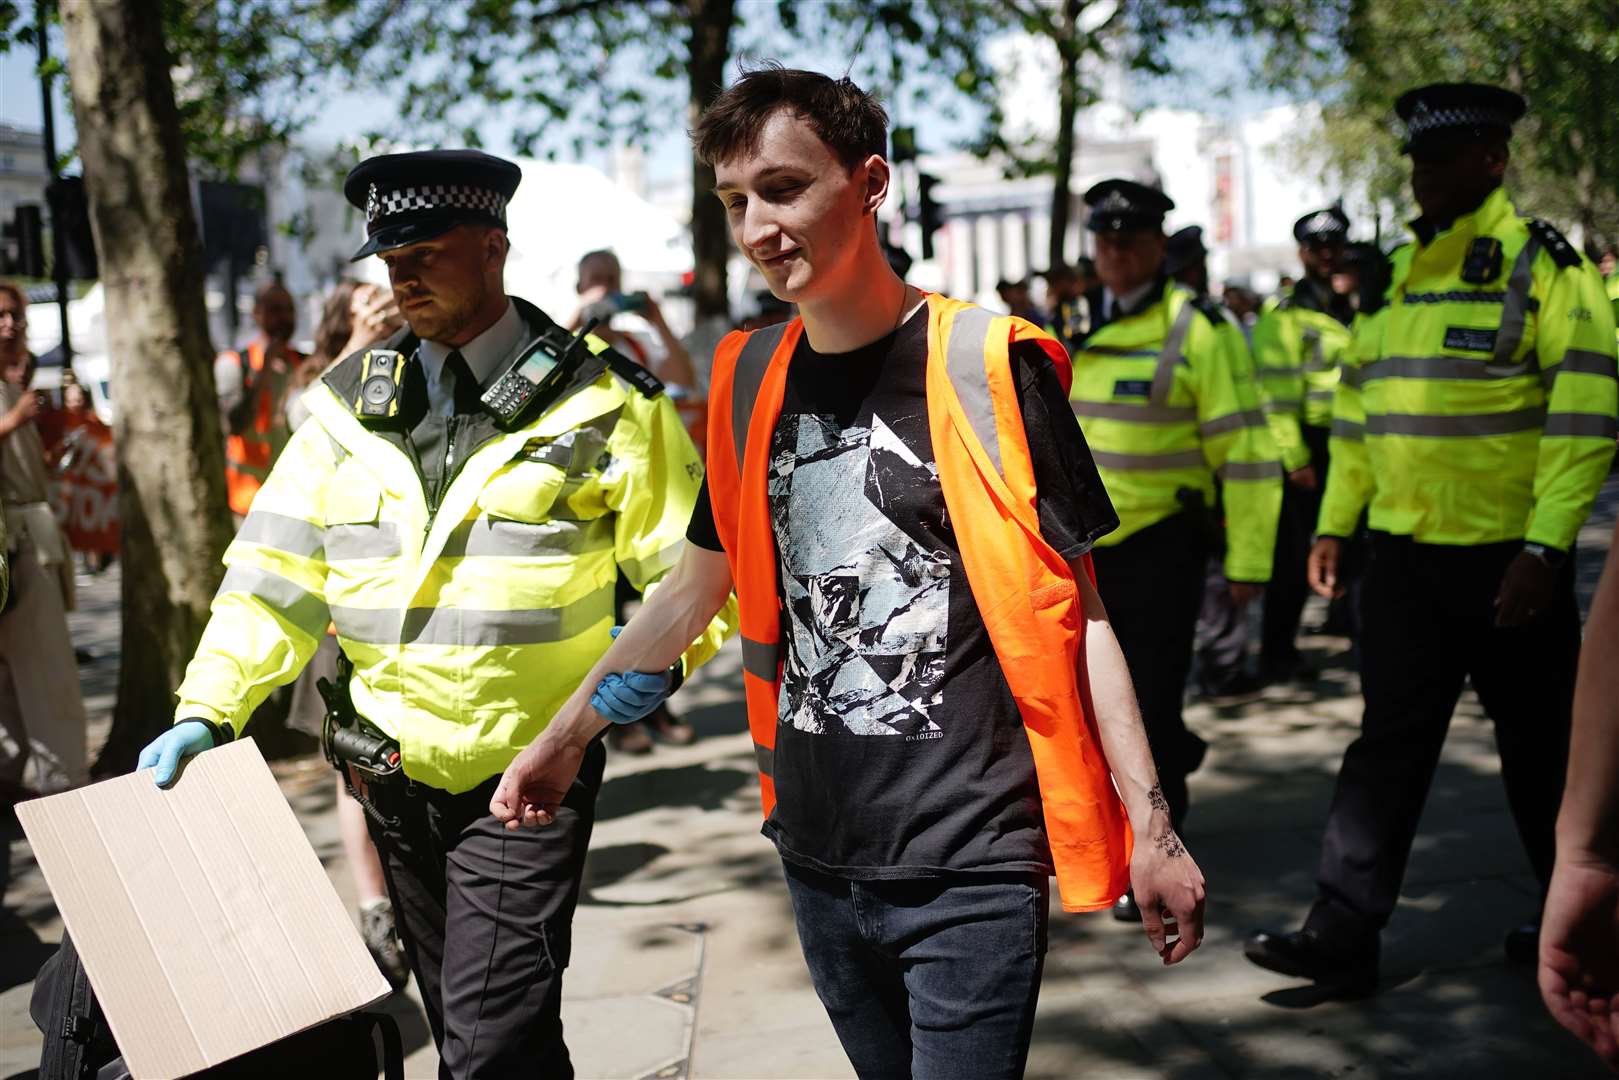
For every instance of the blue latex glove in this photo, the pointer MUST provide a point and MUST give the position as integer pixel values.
(627, 697)
(163, 753)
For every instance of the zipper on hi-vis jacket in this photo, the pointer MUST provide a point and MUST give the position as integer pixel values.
(444, 477)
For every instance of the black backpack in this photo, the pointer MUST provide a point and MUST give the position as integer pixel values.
(79, 1044)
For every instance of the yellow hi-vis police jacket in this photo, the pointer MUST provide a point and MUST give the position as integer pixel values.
(1167, 400)
(468, 627)
(1478, 406)
(1298, 348)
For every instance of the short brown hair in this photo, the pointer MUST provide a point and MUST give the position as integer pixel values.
(847, 119)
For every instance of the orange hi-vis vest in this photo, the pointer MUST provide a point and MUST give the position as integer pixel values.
(249, 455)
(1025, 591)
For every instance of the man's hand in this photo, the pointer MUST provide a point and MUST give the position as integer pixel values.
(1168, 886)
(536, 782)
(1579, 952)
(1526, 591)
(1323, 566)
(1304, 478)
(162, 755)
(1244, 593)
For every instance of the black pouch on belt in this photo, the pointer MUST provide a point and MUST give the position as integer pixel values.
(352, 744)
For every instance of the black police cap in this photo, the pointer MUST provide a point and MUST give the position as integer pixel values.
(1330, 225)
(1446, 110)
(1184, 248)
(408, 198)
(1122, 205)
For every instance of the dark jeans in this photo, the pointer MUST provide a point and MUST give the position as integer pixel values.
(926, 978)
(1152, 586)
(1429, 617)
(486, 919)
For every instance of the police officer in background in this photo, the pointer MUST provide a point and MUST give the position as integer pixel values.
(458, 506)
(1222, 626)
(1475, 421)
(1162, 391)
(1299, 346)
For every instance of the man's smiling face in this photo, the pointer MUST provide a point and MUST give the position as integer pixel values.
(795, 210)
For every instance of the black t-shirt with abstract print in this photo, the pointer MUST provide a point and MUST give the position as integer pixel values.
(900, 752)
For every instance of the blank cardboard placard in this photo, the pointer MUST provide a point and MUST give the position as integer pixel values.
(205, 920)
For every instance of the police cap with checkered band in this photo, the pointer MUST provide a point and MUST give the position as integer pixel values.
(408, 198)
(1124, 205)
(1443, 113)
(1328, 226)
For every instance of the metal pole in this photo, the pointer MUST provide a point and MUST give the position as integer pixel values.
(58, 241)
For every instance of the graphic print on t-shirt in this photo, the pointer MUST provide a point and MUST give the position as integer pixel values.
(867, 602)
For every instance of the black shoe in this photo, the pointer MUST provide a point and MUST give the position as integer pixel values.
(1522, 944)
(1343, 971)
(1234, 690)
(1125, 909)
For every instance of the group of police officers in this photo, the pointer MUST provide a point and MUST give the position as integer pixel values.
(463, 532)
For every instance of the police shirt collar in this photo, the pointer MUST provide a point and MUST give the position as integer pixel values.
(483, 353)
(1130, 303)
(1495, 206)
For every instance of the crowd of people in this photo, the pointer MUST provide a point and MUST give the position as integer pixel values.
(975, 559)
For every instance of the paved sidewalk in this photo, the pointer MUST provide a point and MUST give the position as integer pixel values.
(686, 963)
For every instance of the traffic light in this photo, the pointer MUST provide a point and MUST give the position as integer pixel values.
(904, 145)
(929, 214)
(22, 247)
(70, 217)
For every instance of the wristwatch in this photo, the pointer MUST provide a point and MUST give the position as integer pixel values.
(1551, 556)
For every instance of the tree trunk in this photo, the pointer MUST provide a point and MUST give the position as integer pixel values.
(711, 22)
(1067, 109)
(170, 454)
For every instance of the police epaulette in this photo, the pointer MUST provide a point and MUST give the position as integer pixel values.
(637, 376)
(1554, 243)
(1211, 307)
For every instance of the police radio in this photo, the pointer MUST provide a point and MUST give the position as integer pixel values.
(536, 378)
(380, 374)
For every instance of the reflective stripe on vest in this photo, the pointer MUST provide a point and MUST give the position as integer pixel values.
(1163, 378)
(987, 478)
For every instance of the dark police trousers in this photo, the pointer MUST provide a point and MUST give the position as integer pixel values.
(486, 919)
(1428, 624)
(1152, 586)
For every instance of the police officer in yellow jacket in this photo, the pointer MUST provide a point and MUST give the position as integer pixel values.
(1163, 392)
(1475, 423)
(459, 508)
(1298, 348)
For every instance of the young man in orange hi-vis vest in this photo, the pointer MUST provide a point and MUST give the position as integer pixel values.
(903, 501)
(252, 386)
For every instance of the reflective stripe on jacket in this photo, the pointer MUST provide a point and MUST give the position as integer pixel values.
(1167, 400)
(250, 452)
(1298, 351)
(1477, 412)
(1023, 588)
(468, 628)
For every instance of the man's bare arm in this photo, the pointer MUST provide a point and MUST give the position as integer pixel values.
(673, 616)
(1162, 872)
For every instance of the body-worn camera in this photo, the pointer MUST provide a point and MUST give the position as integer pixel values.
(380, 377)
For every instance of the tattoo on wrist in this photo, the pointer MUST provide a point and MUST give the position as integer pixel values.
(1169, 845)
(1156, 800)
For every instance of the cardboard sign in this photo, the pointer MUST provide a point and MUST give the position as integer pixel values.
(205, 920)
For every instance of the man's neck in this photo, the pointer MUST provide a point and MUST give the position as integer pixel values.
(487, 316)
(870, 309)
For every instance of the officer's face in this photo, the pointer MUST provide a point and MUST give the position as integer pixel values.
(442, 285)
(1452, 175)
(1129, 259)
(1321, 258)
(797, 212)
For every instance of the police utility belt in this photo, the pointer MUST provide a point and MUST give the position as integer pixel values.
(351, 742)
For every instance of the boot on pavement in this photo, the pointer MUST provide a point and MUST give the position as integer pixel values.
(670, 728)
(1344, 969)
